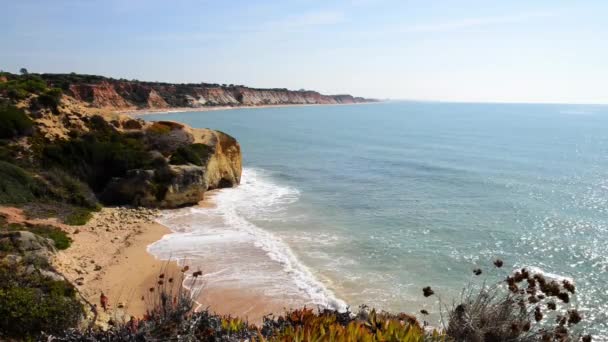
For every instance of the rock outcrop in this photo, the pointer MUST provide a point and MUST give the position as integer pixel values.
(175, 186)
(102, 92)
(28, 252)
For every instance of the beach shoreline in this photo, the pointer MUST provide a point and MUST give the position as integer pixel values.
(109, 255)
(172, 110)
(228, 297)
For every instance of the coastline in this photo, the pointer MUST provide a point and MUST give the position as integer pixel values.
(149, 111)
(109, 254)
(230, 297)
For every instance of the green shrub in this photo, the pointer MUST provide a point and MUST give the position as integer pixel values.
(20, 87)
(196, 154)
(13, 122)
(50, 98)
(69, 189)
(79, 217)
(96, 157)
(17, 186)
(32, 304)
(59, 237)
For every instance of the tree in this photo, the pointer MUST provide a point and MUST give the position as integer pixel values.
(23, 71)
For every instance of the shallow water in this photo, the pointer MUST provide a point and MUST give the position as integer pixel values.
(345, 205)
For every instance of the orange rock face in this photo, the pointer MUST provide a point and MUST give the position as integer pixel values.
(122, 94)
(99, 95)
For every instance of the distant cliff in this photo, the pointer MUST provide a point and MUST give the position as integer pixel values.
(103, 92)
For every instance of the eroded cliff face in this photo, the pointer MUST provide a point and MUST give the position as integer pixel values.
(174, 186)
(167, 182)
(101, 92)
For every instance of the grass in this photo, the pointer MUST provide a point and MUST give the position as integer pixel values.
(79, 217)
(17, 186)
(59, 237)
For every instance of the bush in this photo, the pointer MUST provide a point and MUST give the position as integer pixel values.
(17, 186)
(96, 157)
(59, 237)
(69, 189)
(22, 86)
(524, 307)
(79, 217)
(31, 304)
(50, 98)
(13, 122)
(196, 154)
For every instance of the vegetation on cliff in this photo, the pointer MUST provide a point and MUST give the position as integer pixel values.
(122, 161)
(99, 91)
(13, 122)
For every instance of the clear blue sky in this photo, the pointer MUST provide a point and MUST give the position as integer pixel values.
(465, 50)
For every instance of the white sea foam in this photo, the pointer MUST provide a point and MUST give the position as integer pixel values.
(231, 221)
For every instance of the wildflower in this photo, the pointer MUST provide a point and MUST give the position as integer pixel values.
(550, 289)
(538, 315)
(477, 271)
(574, 317)
(161, 276)
(160, 282)
(427, 291)
(564, 297)
(551, 305)
(103, 299)
(170, 280)
(518, 277)
(498, 263)
(185, 269)
(569, 286)
(151, 289)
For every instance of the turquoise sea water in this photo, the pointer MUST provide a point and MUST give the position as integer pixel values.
(370, 203)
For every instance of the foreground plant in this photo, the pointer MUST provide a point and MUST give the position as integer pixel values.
(523, 307)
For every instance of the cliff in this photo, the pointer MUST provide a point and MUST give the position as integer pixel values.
(102, 92)
(191, 161)
(64, 143)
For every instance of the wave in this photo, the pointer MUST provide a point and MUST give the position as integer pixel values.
(256, 199)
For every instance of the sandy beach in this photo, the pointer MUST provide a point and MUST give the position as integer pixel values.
(147, 111)
(109, 255)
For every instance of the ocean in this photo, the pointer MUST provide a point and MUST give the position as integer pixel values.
(367, 204)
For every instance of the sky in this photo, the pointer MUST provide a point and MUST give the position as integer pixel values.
(447, 50)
